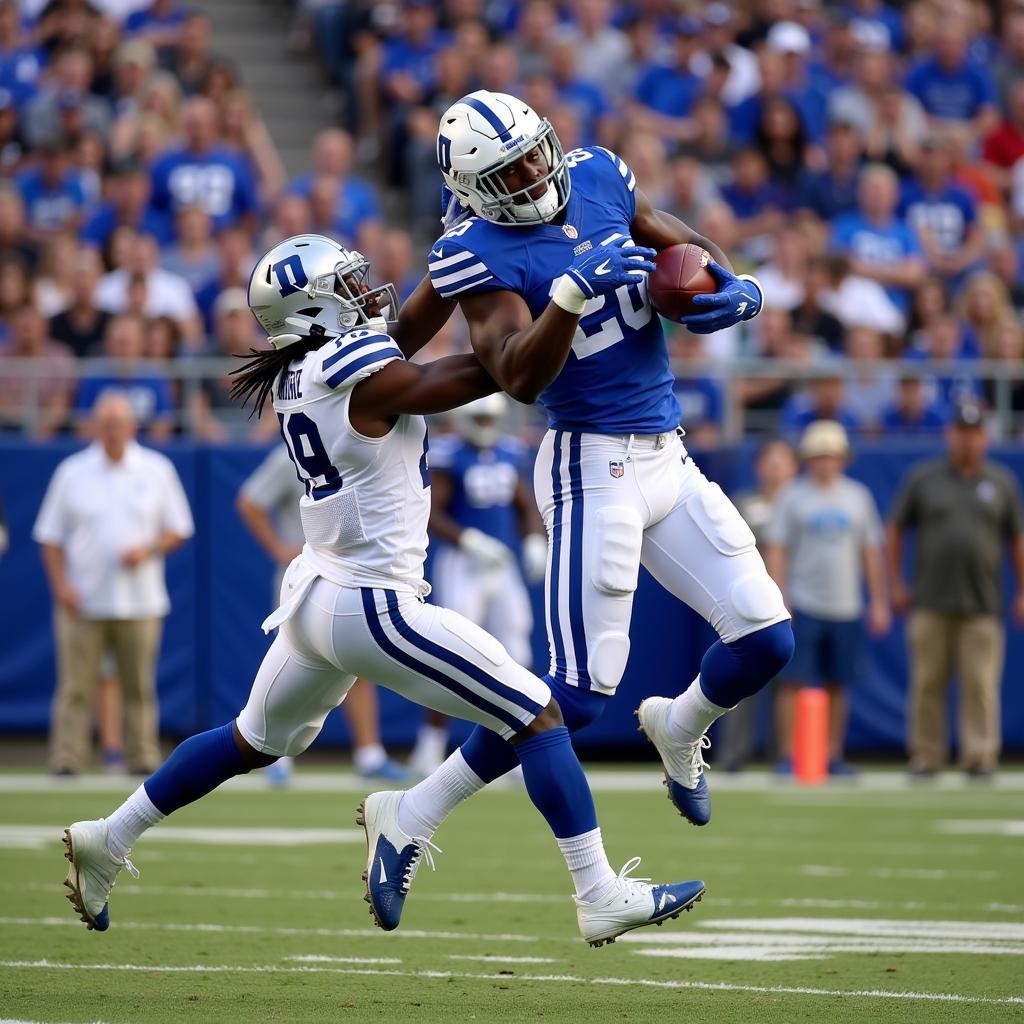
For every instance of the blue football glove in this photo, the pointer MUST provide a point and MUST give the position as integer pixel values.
(605, 268)
(737, 299)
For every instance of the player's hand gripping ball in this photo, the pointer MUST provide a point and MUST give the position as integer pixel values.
(689, 287)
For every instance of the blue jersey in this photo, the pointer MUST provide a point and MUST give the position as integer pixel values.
(484, 484)
(617, 378)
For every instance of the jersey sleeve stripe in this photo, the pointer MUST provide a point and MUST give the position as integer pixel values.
(449, 261)
(350, 348)
(369, 359)
(631, 181)
(462, 274)
(448, 292)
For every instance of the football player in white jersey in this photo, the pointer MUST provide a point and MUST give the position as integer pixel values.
(353, 604)
(532, 238)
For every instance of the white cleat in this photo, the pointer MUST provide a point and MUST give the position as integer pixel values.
(684, 762)
(93, 872)
(392, 857)
(634, 903)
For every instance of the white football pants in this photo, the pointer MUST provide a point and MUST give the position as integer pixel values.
(429, 654)
(611, 503)
(492, 597)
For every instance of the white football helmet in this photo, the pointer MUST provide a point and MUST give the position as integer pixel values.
(315, 286)
(480, 422)
(481, 135)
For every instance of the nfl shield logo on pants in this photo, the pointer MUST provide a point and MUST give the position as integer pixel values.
(616, 469)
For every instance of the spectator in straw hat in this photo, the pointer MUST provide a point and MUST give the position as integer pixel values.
(824, 541)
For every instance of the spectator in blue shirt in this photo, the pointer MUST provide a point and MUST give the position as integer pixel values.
(824, 399)
(833, 191)
(127, 204)
(944, 216)
(946, 340)
(912, 414)
(160, 23)
(356, 201)
(53, 195)
(665, 94)
(950, 85)
(879, 243)
(407, 69)
(874, 19)
(201, 173)
(20, 61)
(700, 395)
(591, 106)
(148, 391)
(757, 203)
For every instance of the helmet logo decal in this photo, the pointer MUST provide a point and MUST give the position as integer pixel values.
(444, 153)
(291, 275)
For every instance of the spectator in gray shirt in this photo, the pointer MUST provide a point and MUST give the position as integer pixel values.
(824, 542)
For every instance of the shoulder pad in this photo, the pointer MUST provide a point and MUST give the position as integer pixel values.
(354, 356)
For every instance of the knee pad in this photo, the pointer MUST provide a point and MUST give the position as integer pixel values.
(607, 659)
(756, 598)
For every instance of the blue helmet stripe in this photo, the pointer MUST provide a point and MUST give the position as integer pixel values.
(489, 115)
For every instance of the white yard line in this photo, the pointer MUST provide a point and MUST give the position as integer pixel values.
(250, 929)
(558, 979)
(316, 958)
(493, 958)
(40, 836)
(981, 827)
(625, 780)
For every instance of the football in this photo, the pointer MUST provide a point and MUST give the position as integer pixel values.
(681, 273)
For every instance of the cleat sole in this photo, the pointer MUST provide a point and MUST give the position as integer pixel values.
(361, 820)
(74, 896)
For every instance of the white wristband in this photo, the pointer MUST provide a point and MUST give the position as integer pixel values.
(757, 284)
(569, 296)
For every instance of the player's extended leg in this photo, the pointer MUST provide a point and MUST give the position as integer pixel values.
(293, 693)
(704, 553)
(440, 659)
(595, 532)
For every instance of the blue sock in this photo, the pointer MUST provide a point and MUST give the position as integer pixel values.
(556, 783)
(731, 672)
(490, 757)
(196, 767)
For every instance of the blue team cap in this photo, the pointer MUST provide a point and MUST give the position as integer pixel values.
(687, 26)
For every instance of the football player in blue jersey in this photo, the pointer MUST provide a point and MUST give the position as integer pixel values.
(487, 522)
(549, 263)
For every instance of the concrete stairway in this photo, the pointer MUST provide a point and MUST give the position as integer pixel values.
(289, 90)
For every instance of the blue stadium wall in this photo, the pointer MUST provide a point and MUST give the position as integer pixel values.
(220, 591)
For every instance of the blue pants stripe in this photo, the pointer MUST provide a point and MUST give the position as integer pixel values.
(390, 648)
(558, 642)
(576, 582)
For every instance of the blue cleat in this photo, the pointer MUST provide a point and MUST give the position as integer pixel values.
(684, 762)
(92, 873)
(634, 903)
(392, 858)
(388, 771)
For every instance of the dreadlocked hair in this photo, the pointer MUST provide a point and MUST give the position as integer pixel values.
(254, 380)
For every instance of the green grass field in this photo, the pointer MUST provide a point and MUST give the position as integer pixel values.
(870, 902)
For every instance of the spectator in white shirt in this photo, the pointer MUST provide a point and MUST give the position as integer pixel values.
(167, 294)
(110, 515)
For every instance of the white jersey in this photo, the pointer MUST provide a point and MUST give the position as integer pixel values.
(364, 513)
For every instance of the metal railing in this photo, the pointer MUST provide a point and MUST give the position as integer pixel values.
(190, 374)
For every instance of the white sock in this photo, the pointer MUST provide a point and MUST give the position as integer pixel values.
(588, 864)
(369, 758)
(429, 802)
(431, 746)
(692, 713)
(129, 821)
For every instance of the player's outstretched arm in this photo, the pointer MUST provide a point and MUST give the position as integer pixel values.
(419, 389)
(421, 317)
(525, 355)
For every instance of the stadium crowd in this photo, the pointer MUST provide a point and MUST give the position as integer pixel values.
(863, 160)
